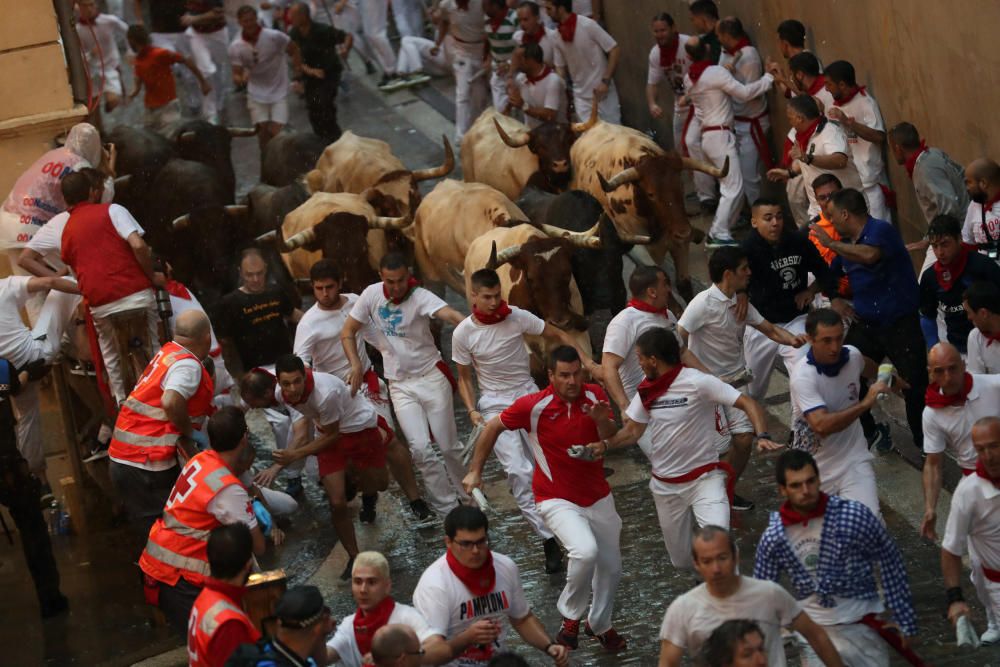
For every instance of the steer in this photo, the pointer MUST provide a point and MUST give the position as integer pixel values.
(210, 144)
(609, 157)
(540, 156)
(535, 274)
(288, 156)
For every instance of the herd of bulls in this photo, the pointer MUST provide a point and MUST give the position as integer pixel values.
(553, 209)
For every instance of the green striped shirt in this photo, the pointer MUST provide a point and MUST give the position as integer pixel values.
(502, 42)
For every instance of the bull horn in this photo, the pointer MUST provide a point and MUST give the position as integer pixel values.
(181, 222)
(305, 237)
(123, 182)
(507, 254)
(243, 131)
(385, 222)
(522, 138)
(236, 210)
(635, 239)
(629, 175)
(588, 239)
(492, 262)
(698, 165)
(438, 172)
(580, 128)
(185, 137)
(268, 237)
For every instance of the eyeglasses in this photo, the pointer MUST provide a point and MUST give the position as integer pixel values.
(469, 545)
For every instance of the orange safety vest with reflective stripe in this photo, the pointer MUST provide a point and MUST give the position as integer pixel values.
(178, 541)
(211, 609)
(143, 433)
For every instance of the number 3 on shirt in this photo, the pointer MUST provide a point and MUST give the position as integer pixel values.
(184, 485)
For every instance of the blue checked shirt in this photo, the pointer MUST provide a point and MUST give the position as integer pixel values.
(852, 539)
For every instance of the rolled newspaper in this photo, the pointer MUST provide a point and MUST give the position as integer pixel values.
(965, 634)
(477, 495)
(470, 444)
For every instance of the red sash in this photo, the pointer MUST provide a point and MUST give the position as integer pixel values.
(692, 475)
(759, 138)
(893, 639)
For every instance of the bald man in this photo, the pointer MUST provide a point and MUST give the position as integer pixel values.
(165, 411)
(974, 523)
(396, 645)
(955, 400)
(982, 219)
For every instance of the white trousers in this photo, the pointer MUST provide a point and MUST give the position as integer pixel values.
(987, 591)
(498, 90)
(375, 24)
(408, 17)
(279, 502)
(856, 483)
(512, 452)
(760, 352)
(471, 90)
(424, 406)
(750, 162)
(415, 56)
(209, 51)
(718, 145)
(590, 536)
(609, 110)
(703, 500)
(349, 20)
(877, 206)
(281, 426)
(107, 341)
(857, 644)
(798, 200)
(704, 184)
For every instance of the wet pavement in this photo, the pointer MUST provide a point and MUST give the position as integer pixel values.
(109, 625)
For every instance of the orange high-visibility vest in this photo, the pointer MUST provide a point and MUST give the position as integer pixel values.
(211, 609)
(178, 541)
(143, 433)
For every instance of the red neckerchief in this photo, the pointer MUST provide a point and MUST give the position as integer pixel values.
(650, 390)
(850, 96)
(367, 624)
(83, 21)
(534, 37)
(234, 593)
(981, 471)
(802, 138)
(479, 581)
(251, 40)
(697, 69)
(668, 53)
(948, 274)
(567, 29)
(495, 23)
(991, 338)
(790, 517)
(310, 385)
(911, 162)
(817, 85)
(743, 41)
(177, 289)
(411, 285)
(532, 80)
(645, 307)
(499, 315)
(933, 398)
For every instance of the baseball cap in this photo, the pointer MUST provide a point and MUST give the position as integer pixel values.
(300, 607)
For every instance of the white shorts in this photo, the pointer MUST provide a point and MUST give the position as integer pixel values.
(263, 112)
(106, 82)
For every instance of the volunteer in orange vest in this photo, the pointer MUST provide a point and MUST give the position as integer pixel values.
(207, 495)
(218, 624)
(166, 409)
(103, 245)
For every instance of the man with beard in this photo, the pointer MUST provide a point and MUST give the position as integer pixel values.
(982, 219)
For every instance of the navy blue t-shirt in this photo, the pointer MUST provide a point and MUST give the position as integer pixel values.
(886, 290)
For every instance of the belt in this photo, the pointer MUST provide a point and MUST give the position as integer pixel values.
(692, 475)
(714, 128)
(893, 639)
(992, 575)
(967, 471)
(759, 138)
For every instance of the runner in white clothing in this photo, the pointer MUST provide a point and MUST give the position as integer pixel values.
(537, 90)
(470, 594)
(676, 406)
(533, 31)
(982, 218)
(398, 313)
(713, 329)
(99, 34)
(982, 306)
(712, 90)
(462, 20)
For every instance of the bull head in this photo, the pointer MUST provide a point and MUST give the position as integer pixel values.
(234, 211)
(517, 141)
(580, 128)
(441, 171)
(589, 239)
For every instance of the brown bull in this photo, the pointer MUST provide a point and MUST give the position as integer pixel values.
(639, 185)
(343, 227)
(540, 157)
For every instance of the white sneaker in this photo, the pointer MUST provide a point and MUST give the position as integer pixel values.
(990, 637)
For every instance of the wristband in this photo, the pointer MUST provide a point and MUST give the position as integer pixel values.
(808, 158)
(550, 645)
(764, 435)
(953, 595)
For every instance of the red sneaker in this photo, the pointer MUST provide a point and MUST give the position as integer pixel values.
(611, 641)
(569, 633)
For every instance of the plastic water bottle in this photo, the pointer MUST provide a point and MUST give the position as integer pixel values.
(885, 373)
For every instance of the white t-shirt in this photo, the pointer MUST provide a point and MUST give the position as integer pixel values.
(681, 422)
(716, 90)
(183, 376)
(466, 26)
(585, 58)
(950, 429)
(828, 140)
(317, 340)
(972, 521)
(232, 505)
(346, 646)
(402, 332)
(982, 357)
(497, 351)
(747, 69)
(805, 541)
(972, 229)
(47, 241)
(16, 343)
(623, 331)
(675, 75)
(549, 93)
(179, 305)
(331, 402)
(867, 156)
(266, 63)
(693, 616)
(811, 390)
(715, 336)
(450, 607)
(546, 42)
(99, 44)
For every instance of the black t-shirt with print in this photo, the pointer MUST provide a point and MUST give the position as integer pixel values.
(256, 325)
